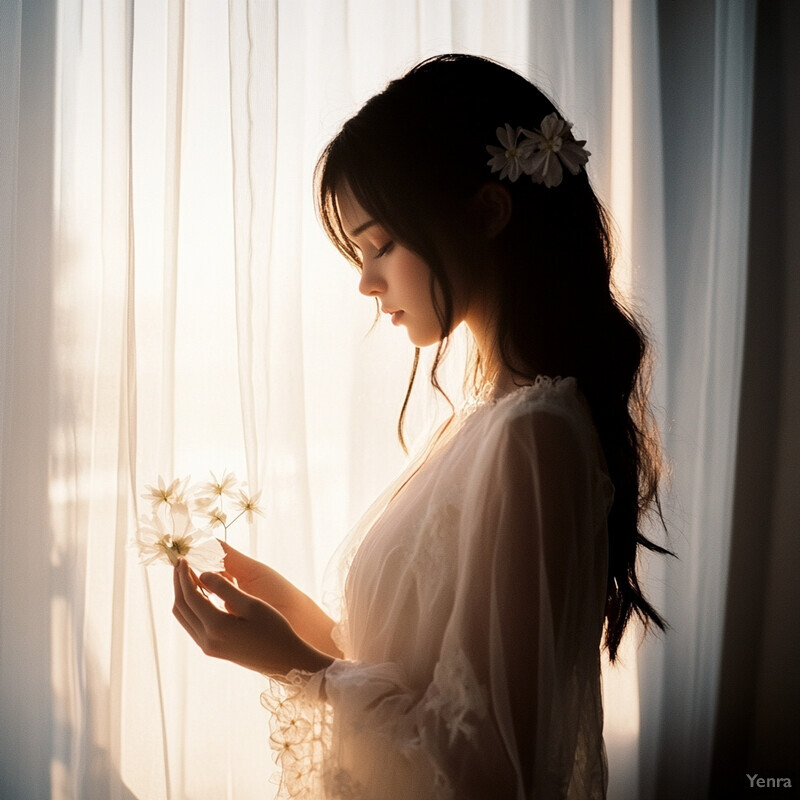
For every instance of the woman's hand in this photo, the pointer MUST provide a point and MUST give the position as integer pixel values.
(309, 621)
(250, 632)
(259, 580)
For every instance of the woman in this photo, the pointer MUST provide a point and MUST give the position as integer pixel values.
(482, 585)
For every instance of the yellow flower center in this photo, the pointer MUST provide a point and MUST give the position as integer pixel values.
(554, 144)
(177, 548)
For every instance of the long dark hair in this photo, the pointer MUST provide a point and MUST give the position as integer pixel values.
(413, 157)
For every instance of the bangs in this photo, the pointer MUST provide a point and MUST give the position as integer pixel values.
(326, 179)
(389, 190)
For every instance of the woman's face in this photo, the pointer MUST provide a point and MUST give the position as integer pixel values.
(396, 276)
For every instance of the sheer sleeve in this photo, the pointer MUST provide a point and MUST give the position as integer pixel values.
(510, 706)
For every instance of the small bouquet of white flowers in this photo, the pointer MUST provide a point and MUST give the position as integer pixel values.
(169, 532)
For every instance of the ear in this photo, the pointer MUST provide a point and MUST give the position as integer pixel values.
(491, 208)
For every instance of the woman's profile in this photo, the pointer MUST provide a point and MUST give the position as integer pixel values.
(483, 585)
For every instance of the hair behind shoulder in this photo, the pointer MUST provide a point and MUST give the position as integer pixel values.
(413, 157)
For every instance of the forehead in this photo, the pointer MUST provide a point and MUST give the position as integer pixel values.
(352, 214)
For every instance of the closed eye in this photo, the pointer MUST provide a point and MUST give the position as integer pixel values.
(384, 250)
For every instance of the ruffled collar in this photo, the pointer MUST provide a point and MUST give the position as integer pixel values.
(491, 395)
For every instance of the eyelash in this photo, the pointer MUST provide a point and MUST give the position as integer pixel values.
(384, 250)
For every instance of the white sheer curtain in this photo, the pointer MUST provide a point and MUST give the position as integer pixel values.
(169, 305)
(691, 240)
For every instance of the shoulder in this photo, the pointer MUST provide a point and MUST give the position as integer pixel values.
(545, 427)
(535, 455)
(549, 407)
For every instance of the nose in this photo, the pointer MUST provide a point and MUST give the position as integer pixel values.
(372, 283)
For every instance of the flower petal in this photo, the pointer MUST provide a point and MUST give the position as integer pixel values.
(216, 516)
(553, 125)
(226, 485)
(546, 168)
(498, 158)
(552, 171)
(573, 156)
(535, 165)
(206, 553)
(150, 553)
(181, 520)
(507, 136)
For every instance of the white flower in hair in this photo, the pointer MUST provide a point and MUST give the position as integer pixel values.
(510, 158)
(553, 145)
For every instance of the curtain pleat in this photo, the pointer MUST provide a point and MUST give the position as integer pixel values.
(173, 134)
(252, 53)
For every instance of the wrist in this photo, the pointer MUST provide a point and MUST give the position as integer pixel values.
(312, 660)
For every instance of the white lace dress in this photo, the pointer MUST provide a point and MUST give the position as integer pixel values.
(473, 612)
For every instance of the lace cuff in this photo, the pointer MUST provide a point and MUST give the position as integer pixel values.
(356, 725)
(306, 736)
(300, 722)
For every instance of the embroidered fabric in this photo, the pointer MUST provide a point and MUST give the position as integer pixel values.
(456, 696)
(472, 617)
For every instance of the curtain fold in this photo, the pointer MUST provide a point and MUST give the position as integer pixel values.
(168, 304)
(28, 724)
(706, 156)
(759, 687)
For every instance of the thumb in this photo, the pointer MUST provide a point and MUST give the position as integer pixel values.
(236, 601)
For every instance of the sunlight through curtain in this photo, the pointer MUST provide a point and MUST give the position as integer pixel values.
(187, 314)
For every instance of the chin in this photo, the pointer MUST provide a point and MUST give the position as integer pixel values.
(421, 340)
(425, 336)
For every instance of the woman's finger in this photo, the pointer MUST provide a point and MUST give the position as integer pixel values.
(202, 608)
(236, 601)
(236, 562)
(230, 550)
(180, 609)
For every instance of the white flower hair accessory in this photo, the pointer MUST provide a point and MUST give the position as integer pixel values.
(511, 158)
(540, 153)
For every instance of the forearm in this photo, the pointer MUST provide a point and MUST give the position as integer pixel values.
(306, 618)
(312, 624)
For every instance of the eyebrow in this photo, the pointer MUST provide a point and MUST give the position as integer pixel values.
(361, 228)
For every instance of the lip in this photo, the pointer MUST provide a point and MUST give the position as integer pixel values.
(394, 313)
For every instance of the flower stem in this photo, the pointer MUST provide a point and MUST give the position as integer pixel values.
(227, 525)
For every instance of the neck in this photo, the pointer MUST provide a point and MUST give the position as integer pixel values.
(497, 377)
(481, 318)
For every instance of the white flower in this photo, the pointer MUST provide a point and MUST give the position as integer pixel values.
(168, 533)
(216, 516)
(248, 505)
(215, 489)
(167, 495)
(553, 146)
(509, 159)
(172, 536)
